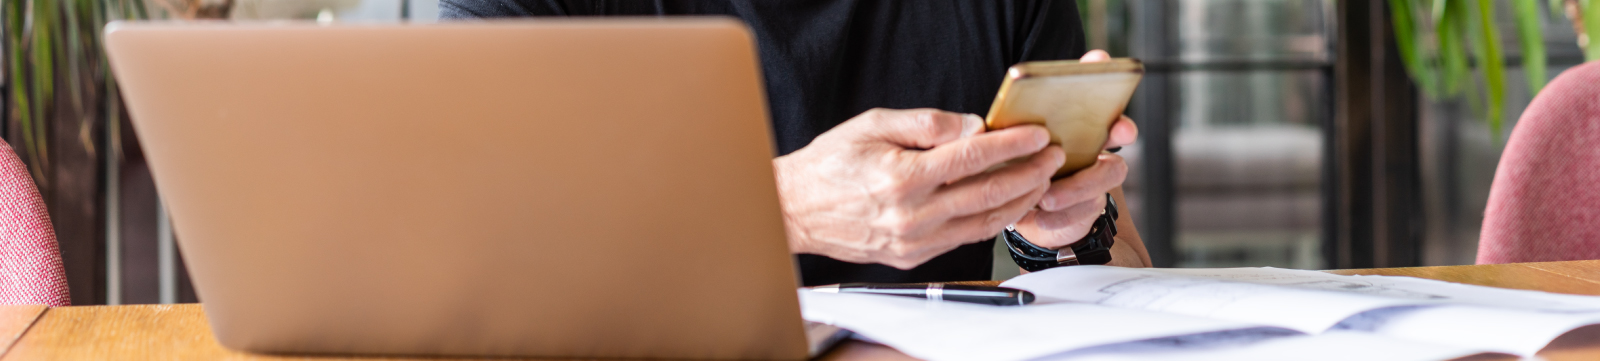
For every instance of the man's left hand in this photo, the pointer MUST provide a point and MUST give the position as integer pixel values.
(1072, 204)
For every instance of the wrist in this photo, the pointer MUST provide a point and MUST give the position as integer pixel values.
(1044, 238)
(797, 238)
(1096, 247)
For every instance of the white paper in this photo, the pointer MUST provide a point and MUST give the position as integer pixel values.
(1331, 346)
(941, 331)
(1307, 301)
(1111, 313)
(1516, 332)
(1305, 310)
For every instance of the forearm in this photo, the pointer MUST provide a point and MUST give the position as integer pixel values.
(1129, 250)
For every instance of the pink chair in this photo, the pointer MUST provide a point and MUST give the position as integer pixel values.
(1545, 201)
(30, 264)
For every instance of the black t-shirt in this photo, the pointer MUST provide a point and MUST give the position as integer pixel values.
(827, 61)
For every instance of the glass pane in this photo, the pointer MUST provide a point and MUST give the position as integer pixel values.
(1251, 30)
(1246, 88)
(1247, 154)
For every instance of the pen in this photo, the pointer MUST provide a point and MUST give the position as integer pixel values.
(998, 296)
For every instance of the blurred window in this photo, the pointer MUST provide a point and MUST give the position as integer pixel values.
(1239, 91)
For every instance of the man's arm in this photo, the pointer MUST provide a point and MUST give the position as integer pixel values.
(1129, 250)
(1051, 30)
(1072, 204)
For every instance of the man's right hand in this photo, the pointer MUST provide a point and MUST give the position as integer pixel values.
(899, 187)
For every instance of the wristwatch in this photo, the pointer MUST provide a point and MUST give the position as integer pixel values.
(1094, 248)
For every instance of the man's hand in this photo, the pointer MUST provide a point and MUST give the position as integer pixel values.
(1070, 207)
(899, 187)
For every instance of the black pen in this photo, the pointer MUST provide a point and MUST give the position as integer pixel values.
(998, 296)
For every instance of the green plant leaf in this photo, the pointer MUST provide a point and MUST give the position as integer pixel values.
(16, 57)
(1532, 40)
(1486, 42)
(1591, 26)
(1440, 7)
(19, 34)
(43, 53)
(1409, 42)
(72, 45)
(1452, 55)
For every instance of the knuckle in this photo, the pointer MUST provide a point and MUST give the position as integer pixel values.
(874, 115)
(901, 250)
(994, 221)
(894, 188)
(898, 222)
(902, 256)
(993, 191)
(970, 156)
(926, 124)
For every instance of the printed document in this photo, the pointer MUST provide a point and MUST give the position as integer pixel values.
(1113, 313)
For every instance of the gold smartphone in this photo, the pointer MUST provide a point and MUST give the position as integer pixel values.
(1076, 101)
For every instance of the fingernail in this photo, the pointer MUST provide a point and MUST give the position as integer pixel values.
(1041, 137)
(1061, 157)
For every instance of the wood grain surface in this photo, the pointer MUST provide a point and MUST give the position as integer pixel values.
(15, 320)
(1573, 277)
(180, 332)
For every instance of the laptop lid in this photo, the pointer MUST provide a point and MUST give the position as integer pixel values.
(560, 188)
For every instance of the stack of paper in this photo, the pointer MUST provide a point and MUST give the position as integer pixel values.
(1112, 313)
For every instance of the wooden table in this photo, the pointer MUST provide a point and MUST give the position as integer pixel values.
(180, 332)
(15, 320)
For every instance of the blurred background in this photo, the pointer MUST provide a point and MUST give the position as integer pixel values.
(1283, 133)
(1286, 133)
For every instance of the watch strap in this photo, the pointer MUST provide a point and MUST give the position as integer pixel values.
(1094, 248)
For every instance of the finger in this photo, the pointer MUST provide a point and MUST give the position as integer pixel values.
(1094, 56)
(1123, 132)
(971, 125)
(987, 224)
(986, 191)
(958, 232)
(965, 157)
(1061, 228)
(919, 128)
(1078, 214)
(1107, 172)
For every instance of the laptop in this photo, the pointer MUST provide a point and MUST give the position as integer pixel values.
(550, 188)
